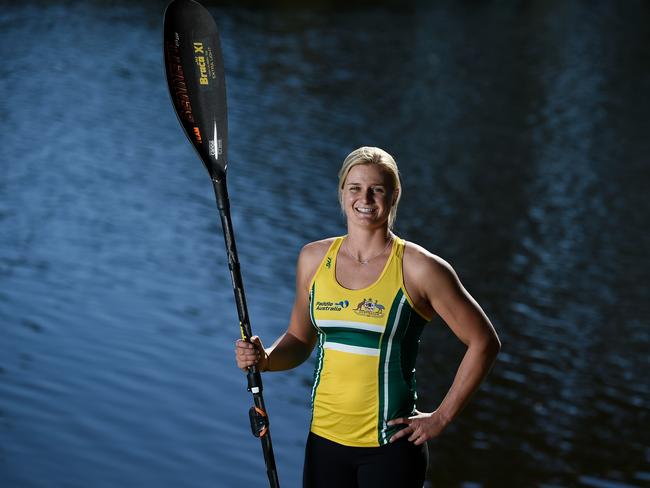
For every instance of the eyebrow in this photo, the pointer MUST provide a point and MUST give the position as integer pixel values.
(359, 184)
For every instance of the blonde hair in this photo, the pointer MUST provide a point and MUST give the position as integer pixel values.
(373, 155)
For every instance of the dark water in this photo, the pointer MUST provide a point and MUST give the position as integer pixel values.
(521, 130)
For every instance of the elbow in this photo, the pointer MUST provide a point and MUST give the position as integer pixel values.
(490, 345)
(494, 344)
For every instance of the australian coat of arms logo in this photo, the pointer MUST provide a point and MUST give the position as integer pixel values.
(370, 308)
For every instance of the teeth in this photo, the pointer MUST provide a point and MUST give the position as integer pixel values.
(365, 209)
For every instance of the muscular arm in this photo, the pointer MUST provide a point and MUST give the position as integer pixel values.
(294, 346)
(437, 288)
(469, 323)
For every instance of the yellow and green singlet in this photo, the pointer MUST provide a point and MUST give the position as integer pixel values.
(365, 359)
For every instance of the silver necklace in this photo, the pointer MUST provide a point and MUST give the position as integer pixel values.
(366, 261)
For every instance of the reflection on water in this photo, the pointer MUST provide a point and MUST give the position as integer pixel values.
(520, 133)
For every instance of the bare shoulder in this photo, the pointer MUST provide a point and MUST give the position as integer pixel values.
(316, 249)
(428, 278)
(314, 252)
(419, 262)
(311, 256)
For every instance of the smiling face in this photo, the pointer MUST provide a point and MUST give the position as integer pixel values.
(384, 170)
(367, 195)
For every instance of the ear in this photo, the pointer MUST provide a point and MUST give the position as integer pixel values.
(395, 195)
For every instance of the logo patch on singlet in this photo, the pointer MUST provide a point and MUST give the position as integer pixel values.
(370, 308)
(332, 306)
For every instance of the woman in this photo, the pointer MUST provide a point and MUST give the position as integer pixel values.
(363, 299)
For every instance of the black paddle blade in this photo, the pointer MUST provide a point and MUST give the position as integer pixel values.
(197, 82)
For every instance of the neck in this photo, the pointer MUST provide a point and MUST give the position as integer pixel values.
(368, 236)
(363, 244)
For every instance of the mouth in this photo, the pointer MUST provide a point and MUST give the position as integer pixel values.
(365, 210)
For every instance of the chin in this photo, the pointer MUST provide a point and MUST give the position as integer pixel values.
(369, 223)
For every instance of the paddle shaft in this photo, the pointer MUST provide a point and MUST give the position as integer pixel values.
(259, 418)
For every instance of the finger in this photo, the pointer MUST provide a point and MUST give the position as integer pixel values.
(247, 351)
(414, 435)
(408, 430)
(250, 357)
(240, 356)
(242, 345)
(244, 367)
(398, 435)
(245, 357)
(401, 420)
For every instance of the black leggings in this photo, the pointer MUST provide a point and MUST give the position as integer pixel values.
(329, 464)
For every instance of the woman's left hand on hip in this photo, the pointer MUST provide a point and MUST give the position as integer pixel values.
(420, 427)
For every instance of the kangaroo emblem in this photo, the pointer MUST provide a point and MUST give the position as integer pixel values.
(370, 308)
(361, 305)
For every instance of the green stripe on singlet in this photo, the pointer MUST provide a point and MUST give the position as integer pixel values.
(384, 354)
(396, 394)
(318, 367)
(353, 337)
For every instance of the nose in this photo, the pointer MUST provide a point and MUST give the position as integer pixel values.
(369, 196)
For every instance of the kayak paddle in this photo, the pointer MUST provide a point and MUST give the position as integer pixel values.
(197, 85)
